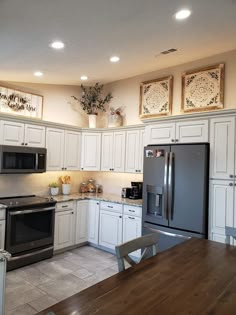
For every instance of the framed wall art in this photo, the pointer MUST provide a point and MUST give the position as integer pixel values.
(203, 90)
(20, 103)
(156, 97)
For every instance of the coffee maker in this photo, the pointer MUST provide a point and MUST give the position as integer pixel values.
(136, 190)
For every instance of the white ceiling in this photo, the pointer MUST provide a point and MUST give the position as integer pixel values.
(93, 30)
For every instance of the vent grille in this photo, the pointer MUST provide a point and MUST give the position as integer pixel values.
(169, 51)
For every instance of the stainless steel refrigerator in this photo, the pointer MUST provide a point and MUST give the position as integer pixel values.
(175, 192)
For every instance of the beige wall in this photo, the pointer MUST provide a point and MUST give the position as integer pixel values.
(12, 185)
(126, 92)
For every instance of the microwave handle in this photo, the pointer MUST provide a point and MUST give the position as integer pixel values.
(37, 161)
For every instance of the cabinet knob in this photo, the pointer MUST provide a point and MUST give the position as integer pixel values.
(26, 143)
(231, 176)
(82, 168)
(72, 212)
(231, 184)
(176, 140)
(22, 143)
(98, 203)
(172, 140)
(120, 217)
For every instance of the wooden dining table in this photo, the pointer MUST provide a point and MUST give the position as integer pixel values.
(195, 277)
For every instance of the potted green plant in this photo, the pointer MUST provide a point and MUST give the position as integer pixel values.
(92, 101)
(54, 188)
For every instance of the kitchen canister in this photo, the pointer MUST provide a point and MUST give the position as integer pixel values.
(66, 189)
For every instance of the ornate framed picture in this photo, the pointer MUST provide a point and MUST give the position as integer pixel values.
(156, 97)
(20, 103)
(203, 90)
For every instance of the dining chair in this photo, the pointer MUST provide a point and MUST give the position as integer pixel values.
(230, 232)
(148, 243)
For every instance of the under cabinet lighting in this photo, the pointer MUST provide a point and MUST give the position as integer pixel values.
(57, 45)
(83, 78)
(182, 14)
(114, 59)
(38, 74)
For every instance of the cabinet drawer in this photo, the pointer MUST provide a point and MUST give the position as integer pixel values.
(2, 214)
(132, 210)
(63, 206)
(116, 207)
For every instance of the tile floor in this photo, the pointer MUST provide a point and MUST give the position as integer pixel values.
(33, 288)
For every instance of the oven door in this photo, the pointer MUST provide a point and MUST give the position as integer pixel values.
(29, 229)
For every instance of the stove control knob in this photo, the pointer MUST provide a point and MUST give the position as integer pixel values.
(17, 202)
(11, 203)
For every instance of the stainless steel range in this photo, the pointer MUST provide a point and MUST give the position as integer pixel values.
(29, 229)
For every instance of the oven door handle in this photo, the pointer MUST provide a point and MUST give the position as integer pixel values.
(30, 211)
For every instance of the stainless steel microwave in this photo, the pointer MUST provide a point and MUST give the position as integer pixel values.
(22, 160)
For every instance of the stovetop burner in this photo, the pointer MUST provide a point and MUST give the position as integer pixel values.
(21, 201)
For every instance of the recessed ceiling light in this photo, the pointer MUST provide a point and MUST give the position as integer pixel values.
(57, 45)
(114, 59)
(84, 77)
(182, 14)
(38, 74)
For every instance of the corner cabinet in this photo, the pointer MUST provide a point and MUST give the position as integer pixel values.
(81, 226)
(90, 151)
(113, 151)
(134, 151)
(19, 134)
(177, 132)
(63, 149)
(93, 221)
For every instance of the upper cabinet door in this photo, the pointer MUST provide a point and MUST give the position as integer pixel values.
(91, 150)
(11, 133)
(35, 136)
(222, 146)
(192, 131)
(141, 151)
(161, 133)
(132, 151)
(107, 150)
(118, 151)
(72, 150)
(55, 149)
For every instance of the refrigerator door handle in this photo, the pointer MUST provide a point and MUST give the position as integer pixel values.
(170, 234)
(166, 185)
(170, 186)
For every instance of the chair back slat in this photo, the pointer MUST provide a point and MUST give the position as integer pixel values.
(148, 243)
(230, 232)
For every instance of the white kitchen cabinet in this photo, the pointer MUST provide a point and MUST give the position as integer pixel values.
(177, 132)
(2, 234)
(160, 133)
(72, 150)
(63, 149)
(93, 221)
(134, 151)
(81, 226)
(132, 228)
(90, 151)
(113, 151)
(222, 146)
(192, 131)
(221, 207)
(55, 148)
(19, 134)
(64, 229)
(110, 229)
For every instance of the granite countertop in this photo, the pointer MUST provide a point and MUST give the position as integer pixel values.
(100, 197)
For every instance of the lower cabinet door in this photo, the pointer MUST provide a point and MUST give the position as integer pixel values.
(81, 226)
(131, 230)
(2, 234)
(64, 229)
(93, 221)
(110, 233)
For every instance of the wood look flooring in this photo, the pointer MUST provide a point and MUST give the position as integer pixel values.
(33, 288)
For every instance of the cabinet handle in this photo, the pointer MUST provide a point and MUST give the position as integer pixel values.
(110, 207)
(22, 143)
(176, 140)
(65, 168)
(131, 218)
(120, 216)
(231, 184)
(231, 176)
(26, 143)
(82, 168)
(98, 203)
(66, 206)
(72, 212)
(172, 140)
(131, 210)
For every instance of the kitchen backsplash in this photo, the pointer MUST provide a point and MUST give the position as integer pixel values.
(12, 185)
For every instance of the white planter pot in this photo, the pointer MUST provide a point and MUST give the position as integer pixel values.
(54, 191)
(66, 189)
(115, 120)
(92, 120)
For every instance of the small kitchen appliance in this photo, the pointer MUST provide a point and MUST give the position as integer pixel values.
(136, 190)
(125, 192)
